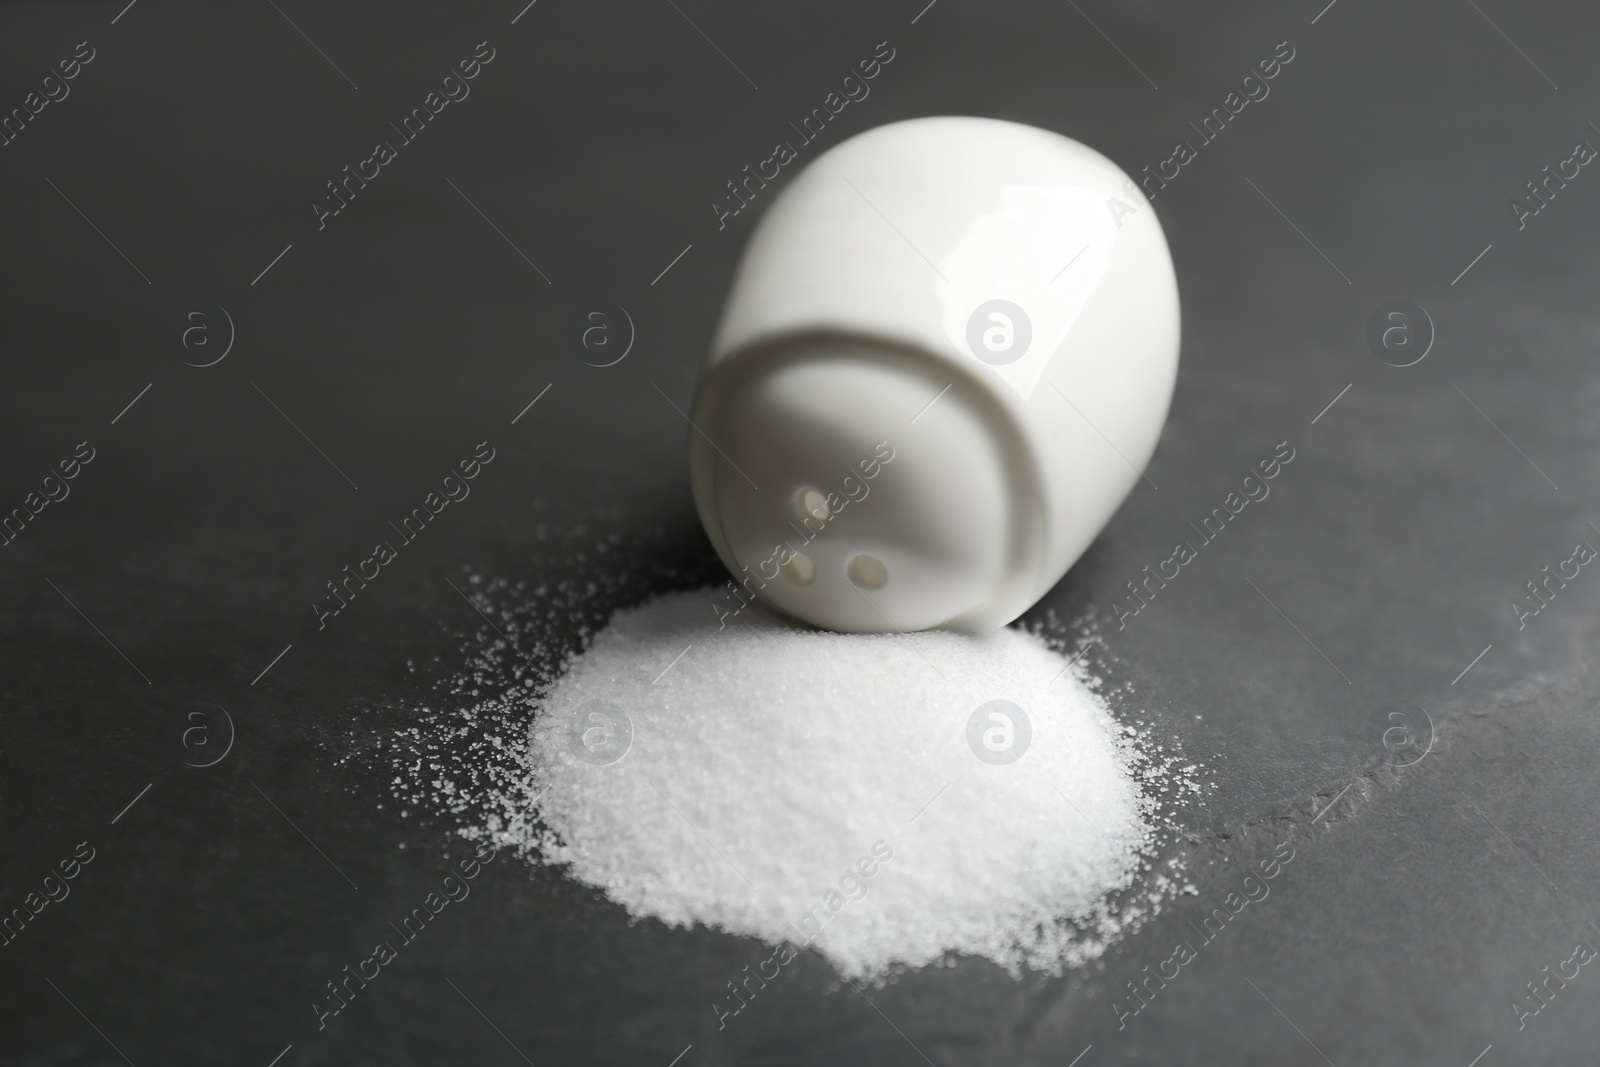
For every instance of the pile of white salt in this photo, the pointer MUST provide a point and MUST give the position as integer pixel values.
(837, 792)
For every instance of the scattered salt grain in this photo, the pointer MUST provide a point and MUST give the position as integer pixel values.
(794, 752)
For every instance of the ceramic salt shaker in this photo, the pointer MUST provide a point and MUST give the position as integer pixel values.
(946, 356)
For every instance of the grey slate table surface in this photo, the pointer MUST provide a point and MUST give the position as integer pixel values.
(186, 156)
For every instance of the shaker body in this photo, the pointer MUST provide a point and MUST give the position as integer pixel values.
(946, 356)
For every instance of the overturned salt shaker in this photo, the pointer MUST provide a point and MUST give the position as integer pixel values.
(946, 356)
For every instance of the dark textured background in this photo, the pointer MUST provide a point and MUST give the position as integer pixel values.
(1417, 905)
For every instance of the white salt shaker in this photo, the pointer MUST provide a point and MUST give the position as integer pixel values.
(946, 357)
